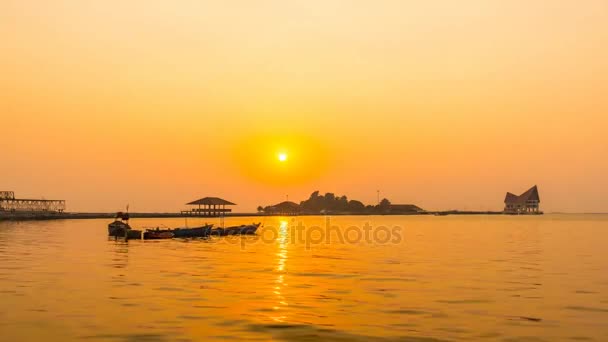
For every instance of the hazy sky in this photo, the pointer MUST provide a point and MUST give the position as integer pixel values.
(445, 104)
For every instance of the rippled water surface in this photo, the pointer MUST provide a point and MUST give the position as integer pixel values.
(437, 278)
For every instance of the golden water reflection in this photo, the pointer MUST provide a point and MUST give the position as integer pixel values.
(282, 243)
(449, 278)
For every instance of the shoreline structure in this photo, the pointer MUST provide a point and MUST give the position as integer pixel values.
(24, 216)
(15, 209)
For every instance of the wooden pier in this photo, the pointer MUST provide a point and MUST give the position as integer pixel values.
(8, 203)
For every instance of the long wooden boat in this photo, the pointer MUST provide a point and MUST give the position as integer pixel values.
(203, 231)
(134, 234)
(157, 234)
(246, 229)
(122, 229)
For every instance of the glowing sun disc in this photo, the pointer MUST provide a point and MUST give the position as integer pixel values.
(282, 157)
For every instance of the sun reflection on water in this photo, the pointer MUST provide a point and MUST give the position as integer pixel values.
(280, 269)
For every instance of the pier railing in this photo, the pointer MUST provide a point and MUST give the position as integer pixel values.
(205, 212)
(32, 205)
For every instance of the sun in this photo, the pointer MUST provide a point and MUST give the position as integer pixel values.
(282, 157)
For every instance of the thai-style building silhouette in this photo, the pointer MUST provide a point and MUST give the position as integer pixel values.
(526, 203)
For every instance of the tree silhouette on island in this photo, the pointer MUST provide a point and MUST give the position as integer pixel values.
(332, 204)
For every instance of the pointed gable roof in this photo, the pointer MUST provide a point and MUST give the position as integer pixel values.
(510, 198)
(530, 195)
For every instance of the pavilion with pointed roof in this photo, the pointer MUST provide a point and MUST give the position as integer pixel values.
(208, 206)
(526, 203)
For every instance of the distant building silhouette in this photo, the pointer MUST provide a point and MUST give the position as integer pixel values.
(283, 208)
(208, 206)
(526, 203)
(405, 209)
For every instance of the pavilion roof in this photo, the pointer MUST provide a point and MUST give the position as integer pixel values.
(211, 201)
(530, 195)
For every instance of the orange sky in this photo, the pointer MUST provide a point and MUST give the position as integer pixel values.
(446, 104)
